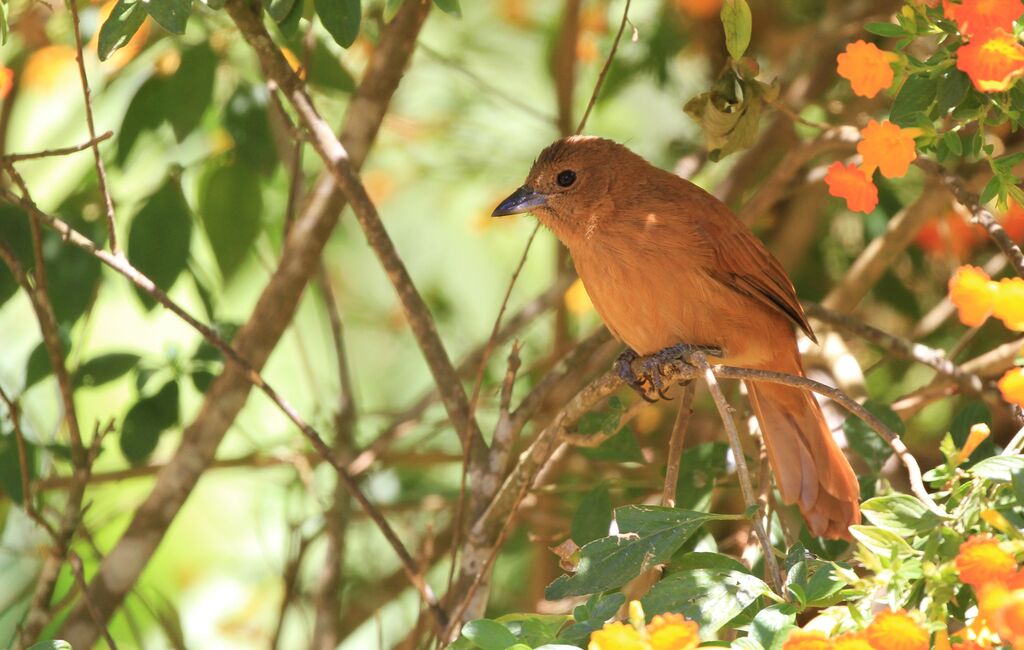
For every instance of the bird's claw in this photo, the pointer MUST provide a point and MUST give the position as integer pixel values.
(651, 376)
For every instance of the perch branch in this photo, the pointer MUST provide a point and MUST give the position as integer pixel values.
(63, 151)
(676, 444)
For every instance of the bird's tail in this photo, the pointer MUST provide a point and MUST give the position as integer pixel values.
(810, 469)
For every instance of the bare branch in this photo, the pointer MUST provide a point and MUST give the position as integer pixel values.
(604, 70)
(63, 151)
(676, 444)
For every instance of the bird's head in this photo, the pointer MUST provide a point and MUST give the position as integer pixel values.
(570, 186)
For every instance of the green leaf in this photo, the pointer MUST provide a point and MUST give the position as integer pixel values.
(14, 231)
(699, 467)
(146, 420)
(914, 99)
(953, 87)
(326, 70)
(991, 190)
(536, 629)
(880, 541)
(146, 111)
(593, 517)
(974, 412)
(10, 467)
(38, 366)
(488, 634)
(998, 468)
(105, 368)
(622, 447)
(888, 30)
(290, 25)
(172, 15)
(591, 616)
(190, 91)
(231, 207)
(772, 625)
(159, 237)
(737, 22)
(901, 514)
(278, 10)
(952, 142)
(124, 20)
(340, 18)
(1017, 479)
(450, 7)
(648, 535)
(863, 439)
(706, 591)
(245, 118)
(51, 645)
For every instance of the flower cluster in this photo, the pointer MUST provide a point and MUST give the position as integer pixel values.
(976, 297)
(950, 234)
(664, 632)
(884, 146)
(890, 630)
(986, 565)
(991, 57)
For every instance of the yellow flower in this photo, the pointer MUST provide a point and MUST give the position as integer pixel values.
(1011, 385)
(1008, 305)
(992, 63)
(982, 561)
(806, 640)
(973, 293)
(887, 147)
(1003, 610)
(866, 67)
(672, 632)
(851, 641)
(617, 636)
(896, 631)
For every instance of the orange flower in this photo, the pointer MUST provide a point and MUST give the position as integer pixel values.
(973, 293)
(49, 68)
(951, 235)
(982, 561)
(1013, 222)
(6, 81)
(616, 636)
(994, 63)
(806, 640)
(672, 632)
(1003, 610)
(1009, 303)
(979, 18)
(700, 8)
(978, 434)
(1011, 385)
(866, 67)
(896, 631)
(888, 148)
(850, 183)
(951, 10)
(851, 641)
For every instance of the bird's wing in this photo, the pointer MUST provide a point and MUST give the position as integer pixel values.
(742, 263)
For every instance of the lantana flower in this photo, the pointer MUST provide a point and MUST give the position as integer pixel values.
(993, 63)
(851, 183)
(973, 292)
(866, 67)
(982, 561)
(896, 630)
(888, 148)
(664, 632)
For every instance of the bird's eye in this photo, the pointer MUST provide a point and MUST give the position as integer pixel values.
(566, 178)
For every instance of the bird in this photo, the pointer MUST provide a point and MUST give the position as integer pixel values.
(669, 268)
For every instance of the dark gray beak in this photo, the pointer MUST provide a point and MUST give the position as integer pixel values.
(522, 200)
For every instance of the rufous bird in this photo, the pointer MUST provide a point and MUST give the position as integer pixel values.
(666, 263)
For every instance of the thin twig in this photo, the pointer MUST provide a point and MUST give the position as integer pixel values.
(26, 491)
(63, 151)
(675, 446)
(79, 571)
(604, 70)
(771, 565)
(101, 172)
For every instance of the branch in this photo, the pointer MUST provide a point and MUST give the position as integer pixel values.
(260, 334)
(604, 70)
(63, 151)
(675, 446)
(979, 213)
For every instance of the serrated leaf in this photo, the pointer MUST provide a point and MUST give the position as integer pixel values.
(648, 535)
(159, 237)
(146, 420)
(450, 7)
(914, 99)
(998, 468)
(593, 517)
(710, 595)
(488, 634)
(105, 368)
(340, 18)
(737, 23)
(231, 207)
(119, 27)
(901, 514)
(172, 15)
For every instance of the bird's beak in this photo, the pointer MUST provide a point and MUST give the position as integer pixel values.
(522, 200)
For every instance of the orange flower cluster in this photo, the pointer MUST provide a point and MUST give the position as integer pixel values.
(992, 57)
(1011, 385)
(884, 146)
(977, 296)
(889, 631)
(664, 632)
(999, 583)
(867, 68)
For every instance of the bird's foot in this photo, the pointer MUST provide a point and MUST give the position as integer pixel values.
(651, 375)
